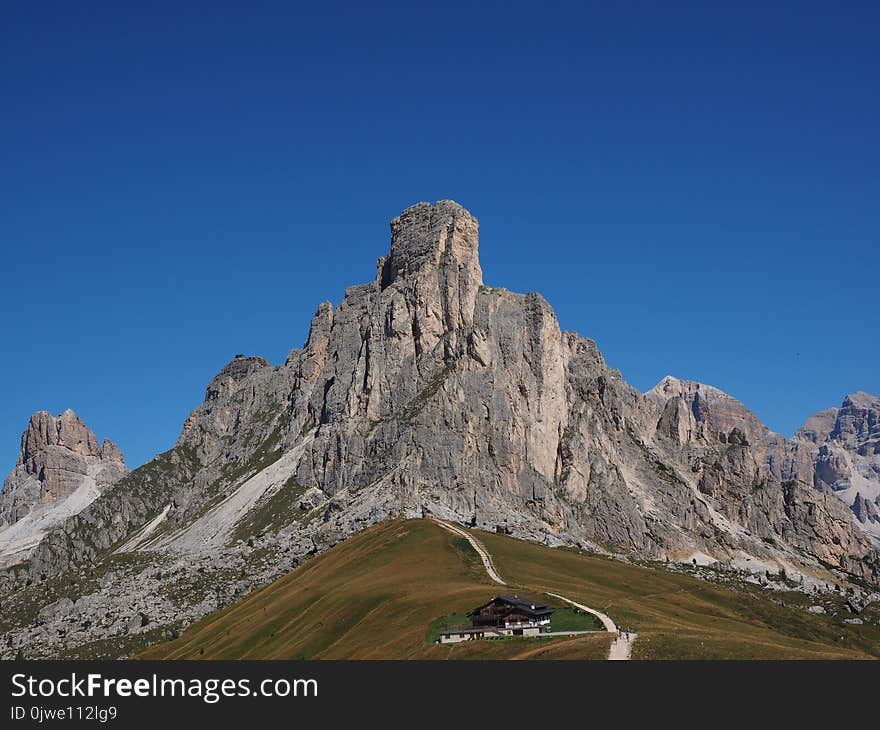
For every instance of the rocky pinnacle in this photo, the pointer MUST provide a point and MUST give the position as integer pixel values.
(57, 455)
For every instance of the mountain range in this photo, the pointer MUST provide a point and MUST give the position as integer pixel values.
(425, 392)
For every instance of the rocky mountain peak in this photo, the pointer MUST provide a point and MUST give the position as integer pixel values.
(696, 407)
(58, 455)
(237, 370)
(861, 399)
(66, 430)
(439, 236)
(858, 419)
(689, 389)
(817, 427)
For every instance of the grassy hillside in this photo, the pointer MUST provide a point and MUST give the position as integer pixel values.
(384, 593)
(680, 617)
(378, 595)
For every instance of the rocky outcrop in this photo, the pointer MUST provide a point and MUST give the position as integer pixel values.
(58, 455)
(61, 469)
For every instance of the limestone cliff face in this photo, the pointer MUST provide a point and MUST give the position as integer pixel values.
(426, 391)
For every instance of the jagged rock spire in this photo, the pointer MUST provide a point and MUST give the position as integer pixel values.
(57, 454)
(434, 265)
(440, 235)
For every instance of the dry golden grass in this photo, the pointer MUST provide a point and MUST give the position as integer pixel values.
(680, 617)
(376, 595)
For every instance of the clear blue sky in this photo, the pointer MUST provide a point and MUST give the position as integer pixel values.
(697, 190)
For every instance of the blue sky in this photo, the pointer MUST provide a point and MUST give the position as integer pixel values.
(695, 189)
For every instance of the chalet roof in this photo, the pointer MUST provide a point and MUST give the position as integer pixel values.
(514, 602)
(521, 602)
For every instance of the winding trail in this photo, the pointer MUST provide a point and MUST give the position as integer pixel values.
(476, 545)
(621, 647)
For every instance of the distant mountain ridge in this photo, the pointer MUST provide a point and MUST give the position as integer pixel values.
(842, 445)
(836, 451)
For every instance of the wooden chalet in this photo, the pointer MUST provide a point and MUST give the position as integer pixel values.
(502, 616)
